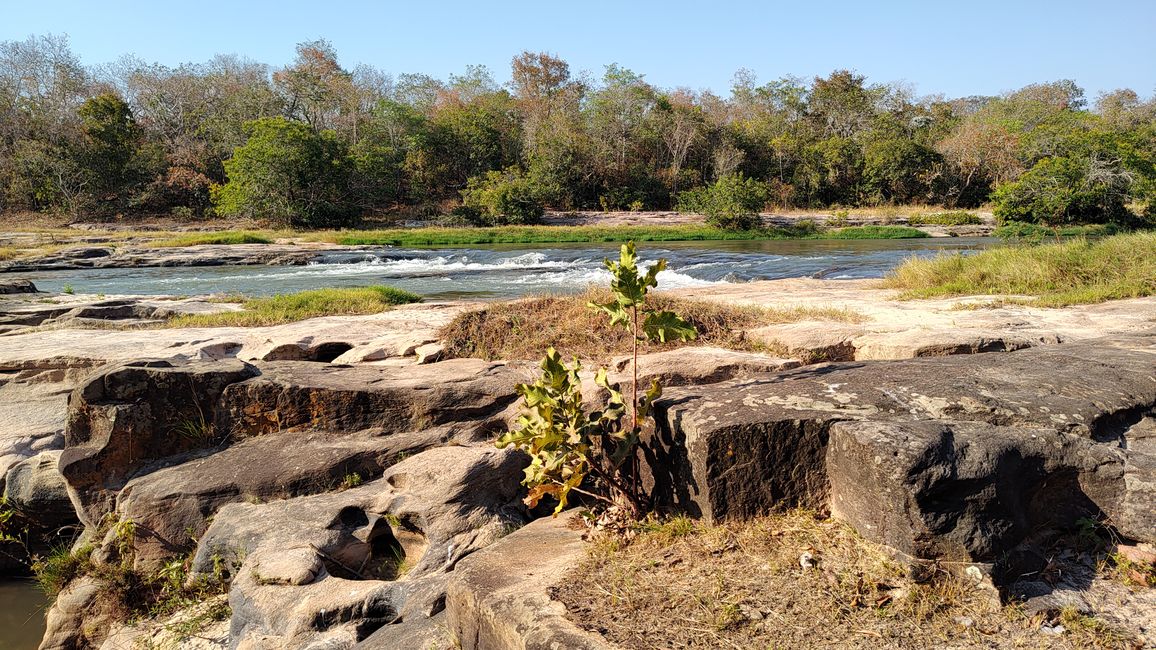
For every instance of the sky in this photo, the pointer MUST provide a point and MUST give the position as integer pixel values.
(960, 48)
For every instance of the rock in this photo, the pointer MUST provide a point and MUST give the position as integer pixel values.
(129, 417)
(1055, 422)
(390, 346)
(500, 596)
(429, 353)
(8, 287)
(698, 365)
(172, 506)
(199, 627)
(76, 619)
(291, 395)
(386, 549)
(830, 342)
(36, 488)
(931, 343)
(964, 492)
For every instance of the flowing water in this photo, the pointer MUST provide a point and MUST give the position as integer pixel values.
(504, 271)
(22, 609)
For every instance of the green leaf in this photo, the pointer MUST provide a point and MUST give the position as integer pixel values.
(666, 326)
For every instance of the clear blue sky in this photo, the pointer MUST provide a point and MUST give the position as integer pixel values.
(958, 48)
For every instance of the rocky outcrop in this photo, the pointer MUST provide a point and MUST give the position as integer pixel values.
(35, 486)
(697, 365)
(100, 257)
(335, 568)
(941, 458)
(129, 417)
(172, 507)
(500, 596)
(300, 395)
(17, 286)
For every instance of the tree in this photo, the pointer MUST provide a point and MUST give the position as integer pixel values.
(110, 151)
(1064, 190)
(501, 198)
(732, 202)
(288, 173)
(317, 90)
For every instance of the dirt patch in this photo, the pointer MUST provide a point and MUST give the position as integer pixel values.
(797, 581)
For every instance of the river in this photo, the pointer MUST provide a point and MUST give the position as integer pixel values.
(506, 271)
(22, 609)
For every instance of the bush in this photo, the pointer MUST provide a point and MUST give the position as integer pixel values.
(1064, 190)
(957, 218)
(733, 202)
(502, 198)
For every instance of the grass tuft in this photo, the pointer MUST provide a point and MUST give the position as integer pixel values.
(1050, 275)
(523, 329)
(218, 238)
(876, 232)
(288, 308)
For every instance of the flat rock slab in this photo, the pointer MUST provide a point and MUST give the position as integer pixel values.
(499, 596)
(292, 395)
(698, 365)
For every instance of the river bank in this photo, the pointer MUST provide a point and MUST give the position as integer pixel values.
(336, 476)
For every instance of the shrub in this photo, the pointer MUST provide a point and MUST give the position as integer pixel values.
(733, 202)
(1064, 190)
(502, 198)
(566, 444)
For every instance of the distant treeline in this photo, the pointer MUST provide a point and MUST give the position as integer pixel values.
(315, 144)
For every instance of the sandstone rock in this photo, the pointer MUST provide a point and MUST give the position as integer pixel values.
(17, 286)
(298, 395)
(500, 596)
(171, 507)
(399, 344)
(429, 353)
(74, 620)
(742, 448)
(965, 492)
(698, 365)
(198, 627)
(36, 488)
(128, 417)
(909, 344)
(431, 509)
(829, 342)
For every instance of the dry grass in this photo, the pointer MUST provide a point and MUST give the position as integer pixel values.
(688, 585)
(523, 329)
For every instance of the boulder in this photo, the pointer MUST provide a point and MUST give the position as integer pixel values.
(966, 492)
(393, 345)
(291, 395)
(36, 488)
(131, 417)
(1068, 416)
(500, 596)
(76, 618)
(9, 287)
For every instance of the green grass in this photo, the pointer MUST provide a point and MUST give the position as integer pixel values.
(560, 234)
(226, 237)
(288, 308)
(875, 232)
(954, 218)
(1017, 230)
(1079, 271)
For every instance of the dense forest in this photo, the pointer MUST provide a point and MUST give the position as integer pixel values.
(316, 144)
